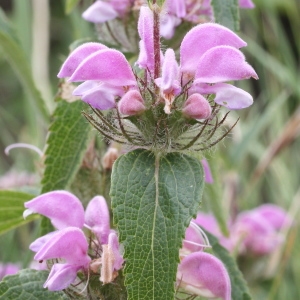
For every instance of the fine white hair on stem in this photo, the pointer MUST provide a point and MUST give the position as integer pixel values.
(87, 226)
(87, 282)
(23, 145)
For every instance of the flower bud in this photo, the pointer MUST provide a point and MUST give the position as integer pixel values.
(131, 103)
(197, 107)
(109, 158)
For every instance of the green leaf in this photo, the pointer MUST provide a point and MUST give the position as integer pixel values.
(16, 57)
(28, 284)
(68, 138)
(239, 289)
(153, 199)
(70, 5)
(12, 207)
(226, 13)
(67, 143)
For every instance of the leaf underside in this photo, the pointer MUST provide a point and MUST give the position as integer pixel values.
(153, 201)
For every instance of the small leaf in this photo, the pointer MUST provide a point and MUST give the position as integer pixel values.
(153, 200)
(28, 284)
(226, 13)
(18, 61)
(12, 207)
(70, 5)
(67, 143)
(239, 289)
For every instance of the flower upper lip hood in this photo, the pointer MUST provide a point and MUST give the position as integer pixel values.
(202, 38)
(56, 206)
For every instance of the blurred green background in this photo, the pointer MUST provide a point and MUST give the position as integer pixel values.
(258, 163)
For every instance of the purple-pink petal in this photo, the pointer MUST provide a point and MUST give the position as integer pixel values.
(100, 12)
(207, 172)
(197, 107)
(168, 23)
(226, 95)
(170, 72)
(246, 4)
(107, 65)
(8, 269)
(176, 7)
(61, 207)
(77, 56)
(252, 233)
(98, 94)
(41, 241)
(205, 275)
(97, 217)
(274, 215)
(61, 276)
(193, 240)
(100, 97)
(145, 30)
(221, 64)
(202, 38)
(208, 222)
(113, 244)
(131, 103)
(69, 243)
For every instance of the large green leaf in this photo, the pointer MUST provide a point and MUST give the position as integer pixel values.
(28, 284)
(17, 59)
(153, 199)
(66, 145)
(12, 207)
(226, 12)
(239, 289)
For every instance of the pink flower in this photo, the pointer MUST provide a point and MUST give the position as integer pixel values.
(105, 72)
(8, 269)
(195, 239)
(255, 231)
(69, 242)
(57, 206)
(174, 12)
(197, 107)
(246, 4)
(97, 218)
(209, 57)
(132, 103)
(209, 54)
(207, 172)
(103, 11)
(203, 274)
(145, 30)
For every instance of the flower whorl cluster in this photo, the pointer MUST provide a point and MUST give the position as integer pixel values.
(253, 233)
(161, 104)
(174, 12)
(68, 243)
